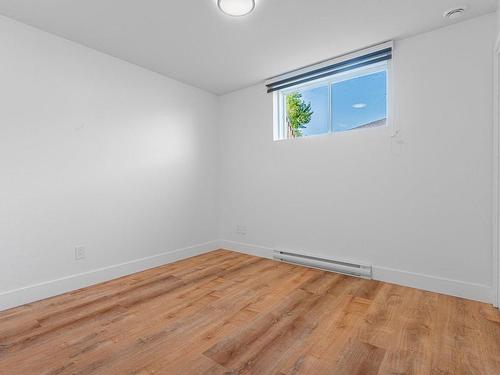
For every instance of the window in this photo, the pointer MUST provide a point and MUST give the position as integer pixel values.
(335, 97)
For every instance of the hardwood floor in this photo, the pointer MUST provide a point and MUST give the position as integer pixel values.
(229, 313)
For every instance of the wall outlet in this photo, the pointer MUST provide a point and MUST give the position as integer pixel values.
(241, 229)
(79, 253)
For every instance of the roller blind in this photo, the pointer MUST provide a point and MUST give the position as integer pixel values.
(369, 56)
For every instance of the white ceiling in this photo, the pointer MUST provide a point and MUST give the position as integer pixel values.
(190, 40)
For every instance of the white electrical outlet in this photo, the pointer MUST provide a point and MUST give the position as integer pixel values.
(241, 229)
(79, 253)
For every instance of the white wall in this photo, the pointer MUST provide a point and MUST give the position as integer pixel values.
(496, 116)
(99, 153)
(498, 14)
(421, 217)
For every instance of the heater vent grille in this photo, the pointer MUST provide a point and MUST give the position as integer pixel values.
(332, 265)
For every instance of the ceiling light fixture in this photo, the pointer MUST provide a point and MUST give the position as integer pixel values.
(454, 13)
(359, 105)
(236, 8)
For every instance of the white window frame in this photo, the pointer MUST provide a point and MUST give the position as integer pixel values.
(280, 132)
(279, 112)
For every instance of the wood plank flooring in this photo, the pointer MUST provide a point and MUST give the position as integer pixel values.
(229, 313)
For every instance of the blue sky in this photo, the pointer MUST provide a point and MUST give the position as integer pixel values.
(368, 92)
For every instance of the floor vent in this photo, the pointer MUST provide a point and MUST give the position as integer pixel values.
(324, 264)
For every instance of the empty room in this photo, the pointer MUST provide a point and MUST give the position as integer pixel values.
(249, 187)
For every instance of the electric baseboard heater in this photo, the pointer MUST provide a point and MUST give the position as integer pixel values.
(325, 264)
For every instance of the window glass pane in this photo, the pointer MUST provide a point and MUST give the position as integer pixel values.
(307, 112)
(360, 102)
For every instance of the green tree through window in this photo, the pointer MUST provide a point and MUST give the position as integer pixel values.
(298, 114)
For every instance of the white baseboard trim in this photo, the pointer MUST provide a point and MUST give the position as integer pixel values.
(51, 288)
(36, 292)
(457, 288)
(477, 292)
(259, 251)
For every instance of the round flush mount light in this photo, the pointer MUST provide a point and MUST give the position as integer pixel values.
(454, 13)
(236, 8)
(359, 105)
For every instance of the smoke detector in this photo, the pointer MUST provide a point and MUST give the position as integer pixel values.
(454, 13)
